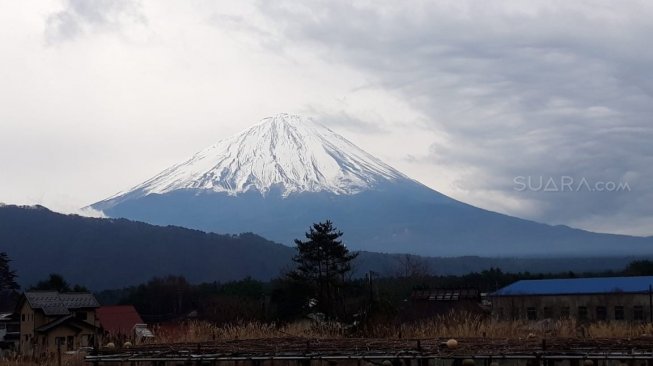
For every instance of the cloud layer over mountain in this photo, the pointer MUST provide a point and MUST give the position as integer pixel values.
(468, 97)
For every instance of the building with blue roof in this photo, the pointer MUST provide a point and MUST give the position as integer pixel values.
(586, 299)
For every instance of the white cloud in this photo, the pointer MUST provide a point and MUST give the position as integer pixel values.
(461, 95)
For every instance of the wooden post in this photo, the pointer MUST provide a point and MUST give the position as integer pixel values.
(59, 354)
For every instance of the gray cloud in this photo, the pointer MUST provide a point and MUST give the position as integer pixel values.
(463, 95)
(539, 89)
(342, 120)
(81, 16)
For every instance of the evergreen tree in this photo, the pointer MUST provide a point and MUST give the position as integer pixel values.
(7, 276)
(323, 263)
(56, 282)
(639, 268)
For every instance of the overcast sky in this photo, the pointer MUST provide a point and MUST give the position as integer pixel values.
(478, 100)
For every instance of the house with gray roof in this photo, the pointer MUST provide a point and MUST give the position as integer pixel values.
(51, 320)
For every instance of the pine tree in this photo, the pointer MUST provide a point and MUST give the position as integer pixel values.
(7, 276)
(323, 262)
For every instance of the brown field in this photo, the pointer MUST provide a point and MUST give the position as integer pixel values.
(458, 325)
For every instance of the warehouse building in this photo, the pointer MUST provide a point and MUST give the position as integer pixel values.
(429, 303)
(586, 299)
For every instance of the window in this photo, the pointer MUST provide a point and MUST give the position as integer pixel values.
(81, 315)
(619, 313)
(60, 341)
(601, 313)
(85, 340)
(582, 312)
(531, 313)
(638, 313)
(564, 312)
(22, 317)
(548, 312)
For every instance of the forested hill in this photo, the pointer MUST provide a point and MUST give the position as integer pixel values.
(114, 253)
(106, 253)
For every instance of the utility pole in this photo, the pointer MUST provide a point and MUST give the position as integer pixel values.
(369, 278)
(650, 304)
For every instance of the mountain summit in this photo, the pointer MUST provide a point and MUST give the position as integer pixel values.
(287, 172)
(285, 153)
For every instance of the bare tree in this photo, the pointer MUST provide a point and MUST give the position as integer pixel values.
(412, 266)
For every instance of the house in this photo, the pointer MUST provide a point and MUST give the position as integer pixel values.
(427, 303)
(586, 299)
(9, 332)
(51, 320)
(122, 323)
(9, 324)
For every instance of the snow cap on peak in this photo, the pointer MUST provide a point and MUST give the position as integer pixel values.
(286, 118)
(286, 151)
(282, 120)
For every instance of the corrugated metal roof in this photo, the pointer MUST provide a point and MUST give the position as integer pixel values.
(598, 285)
(445, 294)
(54, 303)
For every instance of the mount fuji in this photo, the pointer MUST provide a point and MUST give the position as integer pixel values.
(287, 171)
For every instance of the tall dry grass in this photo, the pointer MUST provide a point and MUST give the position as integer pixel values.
(200, 331)
(66, 360)
(463, 325)
(458, 325)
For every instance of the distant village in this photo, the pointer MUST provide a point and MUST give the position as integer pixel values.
(318, 298)
(45, 323)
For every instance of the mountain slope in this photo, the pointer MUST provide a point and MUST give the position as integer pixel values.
(287, 172)
(106, 253)
(110, 253)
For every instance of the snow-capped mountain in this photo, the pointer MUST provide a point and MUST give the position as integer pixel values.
(286, 152)
(286, 172)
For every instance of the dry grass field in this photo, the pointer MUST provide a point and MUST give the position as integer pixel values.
(455, 325)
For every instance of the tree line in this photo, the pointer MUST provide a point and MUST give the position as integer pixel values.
(320, 283)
